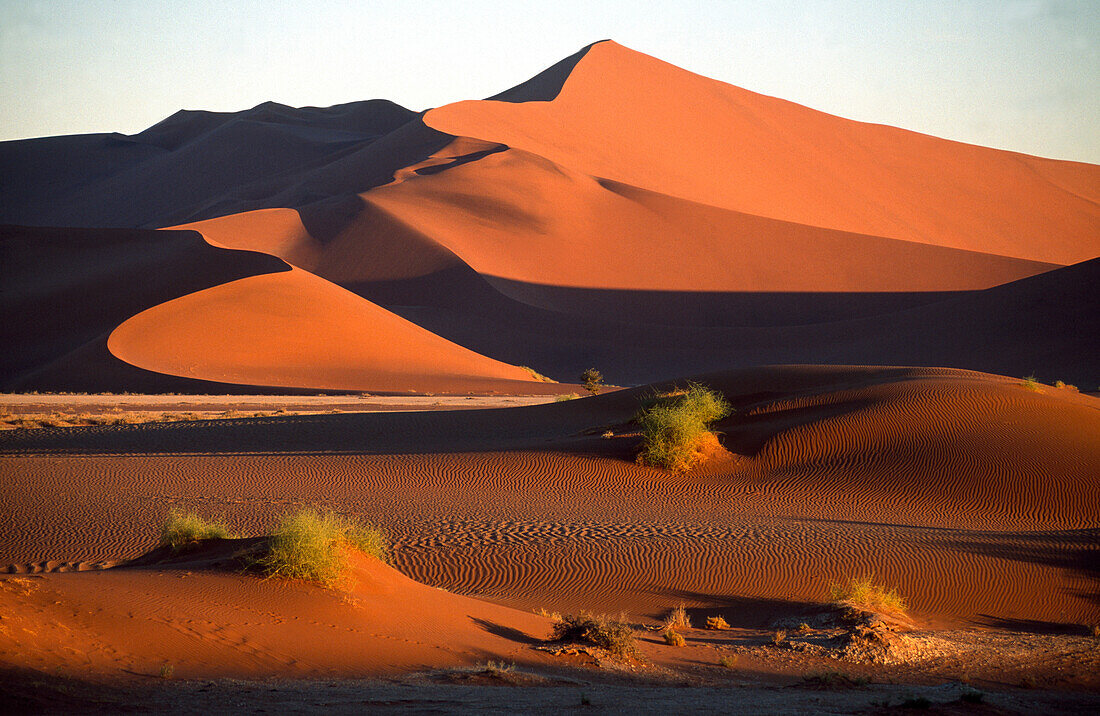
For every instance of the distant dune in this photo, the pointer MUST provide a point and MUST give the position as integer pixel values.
(613, 211)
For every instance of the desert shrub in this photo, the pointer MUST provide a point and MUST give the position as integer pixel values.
(673, 638)
(779, 636)
(717, 623)
(593, 381)
(1031, 383)
(586, 628)
(565, 397)
(862, 593)
(728, 662)
(1065, 386)
(313, 546)
(182, 529)
(678, 618)
(674, 426)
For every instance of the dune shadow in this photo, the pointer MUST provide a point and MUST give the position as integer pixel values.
(506, 632)
(1076, 551)
(739, 612)
(1032, 626)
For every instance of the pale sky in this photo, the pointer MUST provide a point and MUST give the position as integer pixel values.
(1013, 74)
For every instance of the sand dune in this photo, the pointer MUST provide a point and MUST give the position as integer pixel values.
(625, 116)
(612, 211)
(201, 619)
(973, 495)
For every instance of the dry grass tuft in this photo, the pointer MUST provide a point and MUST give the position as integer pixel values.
(1032, 383)
(863, 593)
(678, 618)
(586, 628)
(313, 546)
(728, 662)
(186, 529)
(717, 623)
(566, 397)
(1065, 386)
(673, 638)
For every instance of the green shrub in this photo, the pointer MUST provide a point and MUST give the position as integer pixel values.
(593, 381)
(313, 546)
(674, 426)
(862, 593)
(184, 529)
(586, 628)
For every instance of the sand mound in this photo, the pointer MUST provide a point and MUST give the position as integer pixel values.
(190, 619)
(972, 495)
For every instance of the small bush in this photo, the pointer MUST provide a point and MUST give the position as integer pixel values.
(717, 623)
(728, 661)
(184, 529)
(593, 381)
(1065, 386)
(586, 628)
(166, 671)
(313, 546)
(674, 427)
(673, 638)
(678, 618)
(1031, 383)
(862, 593)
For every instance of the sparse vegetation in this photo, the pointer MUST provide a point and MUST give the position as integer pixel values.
(1031, 383)
(779, 636)
(1065, 386)
(728, 662)
(675, 426)
(313, 546)
(673, 638)
(166, 671)
(863, 593)
(678, 618)
(565, 397)
(185, 529)
(586, 628)
(593, 381)
(717, 623)
(538, 376)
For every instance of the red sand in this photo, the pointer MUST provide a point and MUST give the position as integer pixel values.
(972, 495)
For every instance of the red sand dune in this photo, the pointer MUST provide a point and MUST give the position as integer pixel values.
(203, 621)
(973, 495)
(628, 117)
(296, 330)
(612, 211)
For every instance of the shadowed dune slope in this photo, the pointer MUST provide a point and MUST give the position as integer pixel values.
(628, 117)
(202, 620)
(64, 288)
(196, 165)
(973, 495)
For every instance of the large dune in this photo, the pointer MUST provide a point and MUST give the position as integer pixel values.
(973, 495)
(613, 211)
